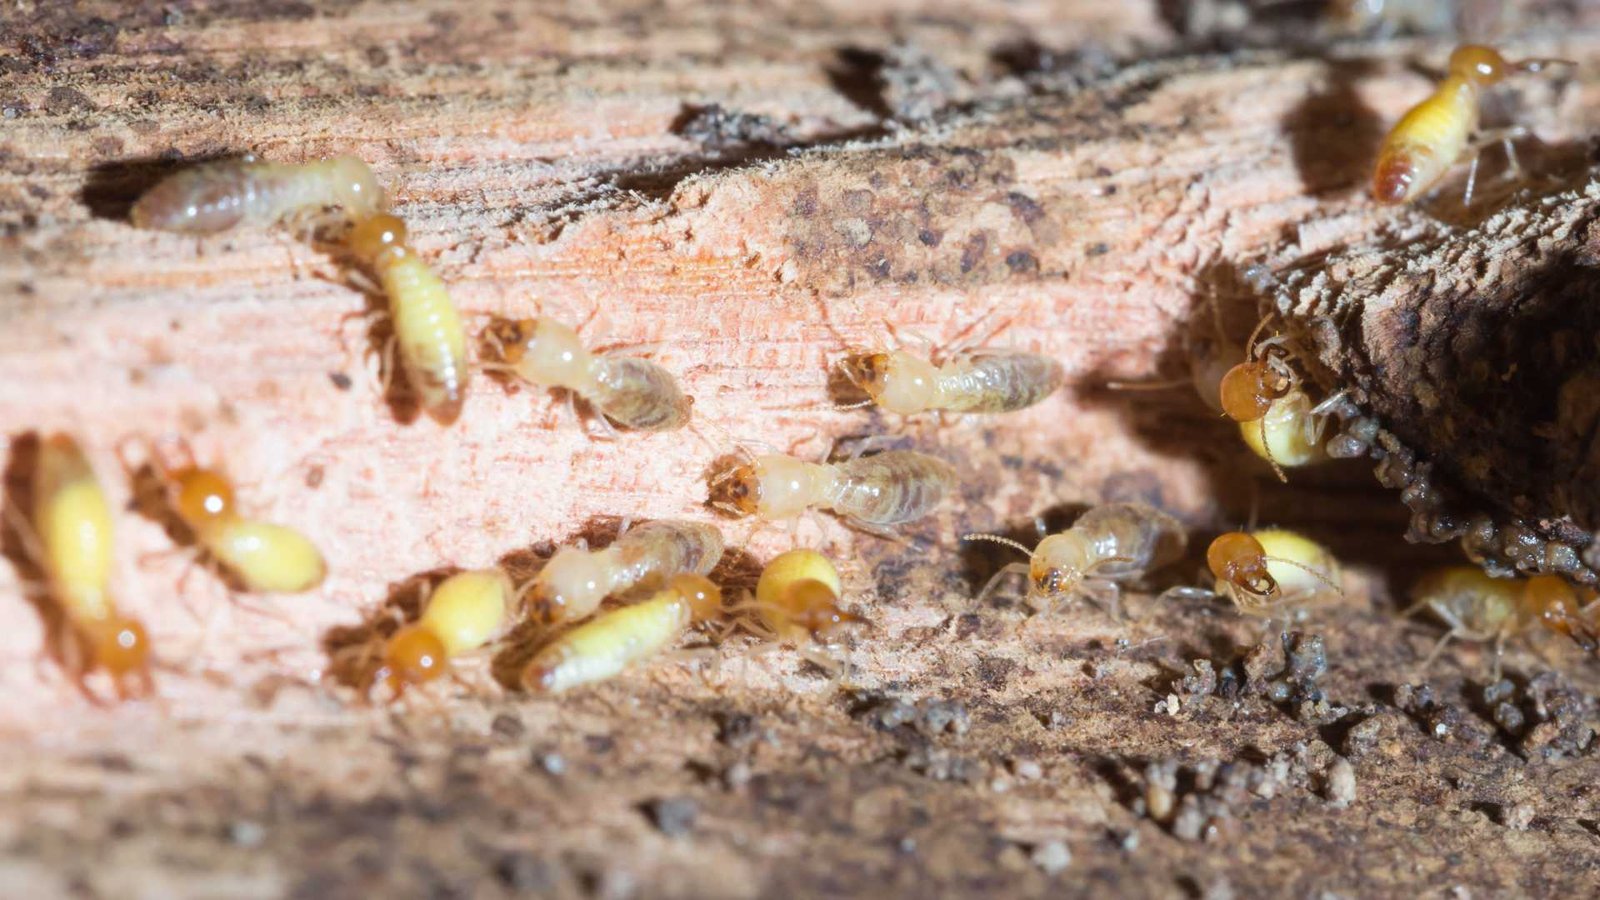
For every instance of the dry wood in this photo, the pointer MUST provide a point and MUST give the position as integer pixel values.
(751, 189)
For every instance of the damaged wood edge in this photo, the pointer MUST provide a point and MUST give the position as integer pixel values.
(1382, 327)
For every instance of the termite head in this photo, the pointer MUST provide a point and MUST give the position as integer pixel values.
(542, 350)
(1240, 560)
(737, 489)
(1554, 604)
(1248, 389)
(119, 644)
(202, 497)
(569, 586)
(413, 656)
(1057, 565)
(1479, 64)
(509, 337)
(814, 606)
(372, 237)
(357, 188)
(897, 381)
(798, 596)
(703, 597)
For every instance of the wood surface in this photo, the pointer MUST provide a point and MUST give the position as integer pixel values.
(748, 191)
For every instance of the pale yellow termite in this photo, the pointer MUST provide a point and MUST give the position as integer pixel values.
(607, 644)
(1480, 608)
(1438, 132)
(216, 196)
(427, 327)
(460, 615)
(629, 391)
(1289, 434)
(575, 580)
(1271, 569)
(1108, 544)
(71, 526)
(254, 555)
(873, 493)
(978, 381)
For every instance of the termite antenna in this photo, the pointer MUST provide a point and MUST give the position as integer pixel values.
(1533, 66)
(997, 539)
(1266, 448)
(1250, 343)
(1312, 572)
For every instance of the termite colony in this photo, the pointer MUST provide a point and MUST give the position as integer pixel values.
(596, 612)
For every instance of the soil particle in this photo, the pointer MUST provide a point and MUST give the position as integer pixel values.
(1052, 857)
(674, 816)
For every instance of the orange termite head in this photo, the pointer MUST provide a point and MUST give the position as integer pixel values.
(510, 338)
(414, 655)
(1248, 389)
(1553, 603)
(1240, 560)
(202, 497)
(1479, 64)
(868, 371)
(737, 489)
(377, 234)
(119, 644)
(1548, 597)
(703, 597)
(814, 606)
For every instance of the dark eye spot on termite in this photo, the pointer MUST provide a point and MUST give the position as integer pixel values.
(340, 380)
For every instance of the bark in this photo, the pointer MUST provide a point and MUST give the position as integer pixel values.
(752, 189)
(1470, 354)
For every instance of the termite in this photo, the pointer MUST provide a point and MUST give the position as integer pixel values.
(427, 326)
(605, 645)
(575, 580)
(460, 615)
(626, 390)
(213, 197)
(1109, 544)
(1389, 17)
(1437, 132)
(978, 381)
(797, 598)
(1247, 390)
(1289, 434)
(1271, 569)
(1478, 607)
(1561, 608)
(71, 541)
(1263, 395)
(254, 555)
(872, 493)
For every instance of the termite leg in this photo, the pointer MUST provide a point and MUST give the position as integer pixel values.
(1005, 572)
(866, 444)
(606, 427)
(1106, 595)
(1503, 137)
(879, 531)
(1433, 654)
(1185, 592)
